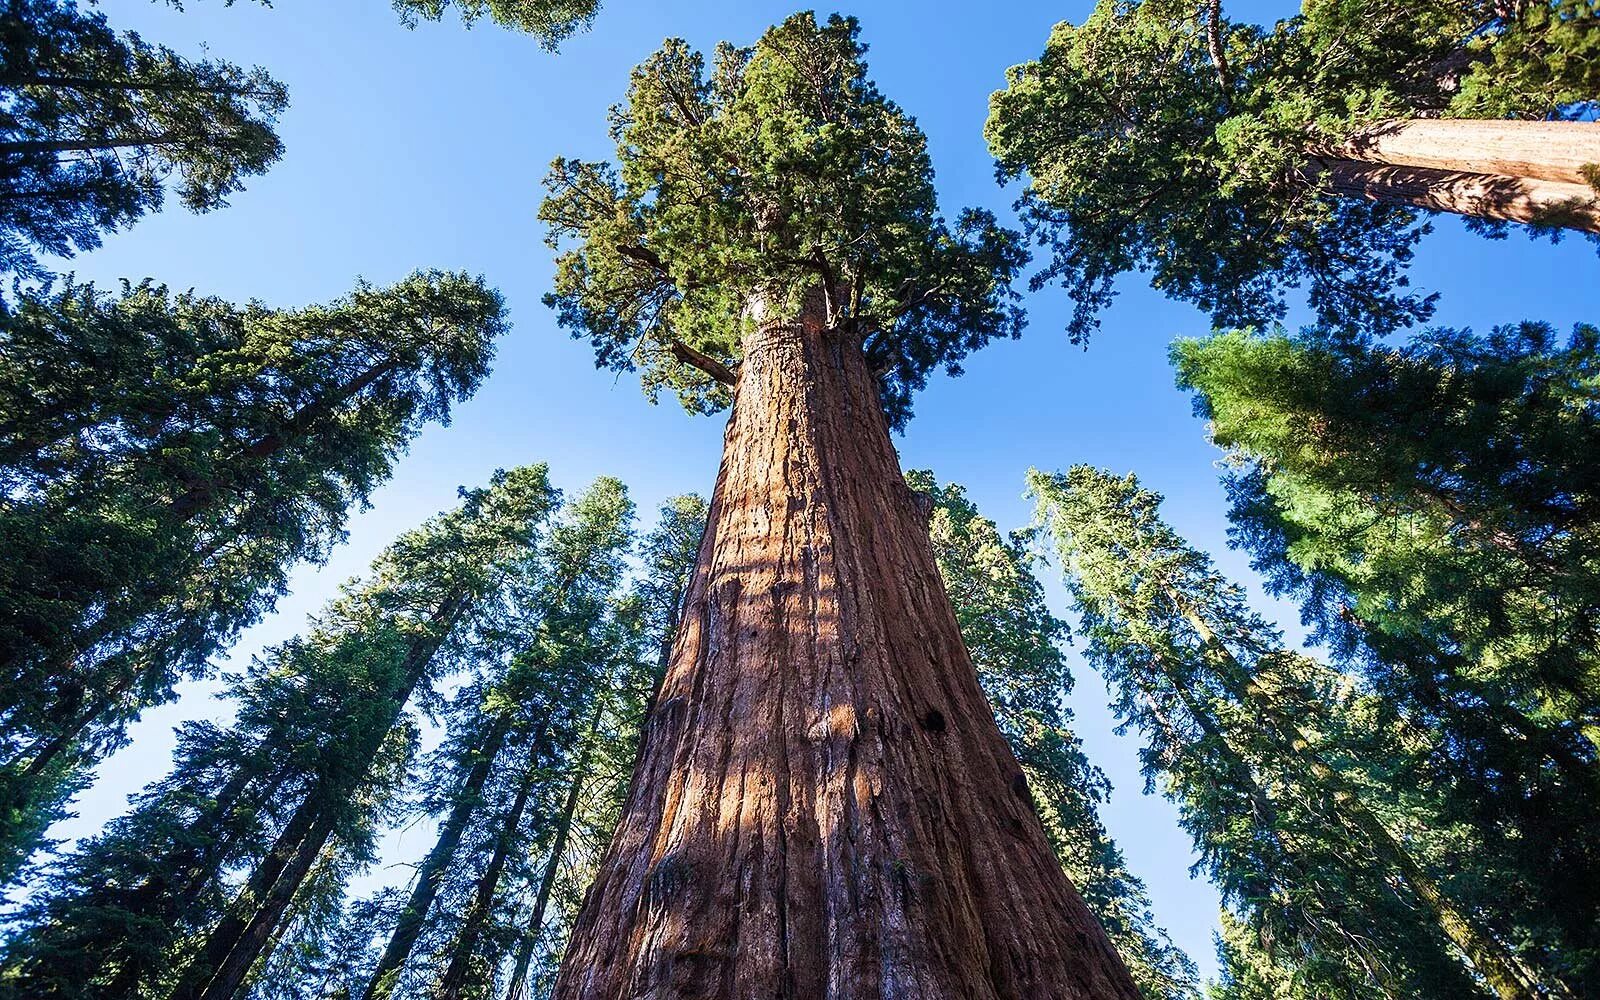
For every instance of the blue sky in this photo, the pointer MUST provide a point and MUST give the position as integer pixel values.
(425, 148)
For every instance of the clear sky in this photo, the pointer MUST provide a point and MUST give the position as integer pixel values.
(422, 149)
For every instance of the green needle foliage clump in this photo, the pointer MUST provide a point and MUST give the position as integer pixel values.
(1441, 492)
(164, 461)
(1158, 136)
(549, 21)
(98, 124)
(739, 188)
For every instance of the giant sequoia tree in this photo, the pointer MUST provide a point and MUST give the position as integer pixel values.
(97, 124)
(1300, 791)
(1233, 161)
(823, 804)
(165, 460)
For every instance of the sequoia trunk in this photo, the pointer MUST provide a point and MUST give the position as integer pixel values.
(824, 806)
(1542, 173)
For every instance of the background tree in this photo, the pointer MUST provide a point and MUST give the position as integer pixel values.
(1015, 644)
(1431, 505)
(820, 736)
(599, 777)
(550, 21)
(97, 123)
(165, 461)
(1233, 161)
(1297, 786)
(260, 821)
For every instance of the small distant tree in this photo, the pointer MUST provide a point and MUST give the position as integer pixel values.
(1233, 162)
(771, 237)
(166, 460)
(98, 123)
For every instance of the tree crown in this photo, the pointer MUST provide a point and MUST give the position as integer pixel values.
(1158, 137)
(742, 188)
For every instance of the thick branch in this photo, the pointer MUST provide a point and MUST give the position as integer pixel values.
(1484, 196)
(1551, 151)
(705, 362)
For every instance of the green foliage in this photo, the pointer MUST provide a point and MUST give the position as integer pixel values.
(319, 732)
(1016, 645)
(164, 461)
(550, 21)
(1308, 797)
(96, 124)
(740, 189)
(1443, 491)
(1144, 151)
(1431, 505)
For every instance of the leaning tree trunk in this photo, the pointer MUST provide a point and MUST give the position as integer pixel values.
(824, 806)
(1541, 173)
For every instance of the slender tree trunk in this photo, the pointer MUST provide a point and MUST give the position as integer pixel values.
(518, 987)
(825, 806)
(1540, 173)
(233, 946)
(482, 907)
(431, 875)
(1500, 968)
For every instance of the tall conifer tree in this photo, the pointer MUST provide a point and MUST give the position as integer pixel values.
(98, 123)
(824, 804)
(288, 794)
(1431, 505)
(1293, 784)
(166, 459)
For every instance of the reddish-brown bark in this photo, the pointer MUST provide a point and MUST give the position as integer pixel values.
(1541, 173)
(824, 806)
(1483, 196)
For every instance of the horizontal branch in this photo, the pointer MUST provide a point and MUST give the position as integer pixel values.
(705, 362)
(1551, 151)
(1485, 196)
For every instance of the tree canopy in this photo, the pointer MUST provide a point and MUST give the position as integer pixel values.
(549, 21)
(1158, 136)
(742, 186)
(97, 124)
(166, 459)
(1308, 796)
